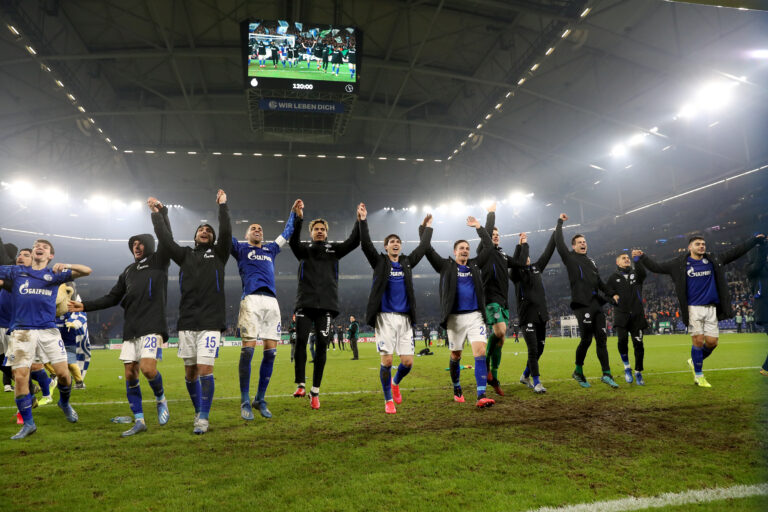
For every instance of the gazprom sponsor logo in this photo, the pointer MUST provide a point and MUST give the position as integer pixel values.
(692, 273)
(253, 256)
(24, 289)
(319, 107)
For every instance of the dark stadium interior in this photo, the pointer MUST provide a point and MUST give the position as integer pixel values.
(461, 102)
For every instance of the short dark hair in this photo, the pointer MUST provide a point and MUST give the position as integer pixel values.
(457, 242)
(577, 235)
(43, 241)
(494, 229)
(389, 237)
(318, 221)
(694, 238)
(24, 249)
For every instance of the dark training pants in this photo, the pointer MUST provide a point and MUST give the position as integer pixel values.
(592, 323)
(305, 320)
(637, 343)
(353, 345)
(535, 335)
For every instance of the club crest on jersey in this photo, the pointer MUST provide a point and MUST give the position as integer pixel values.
(586, 315)
(631, 276)
(208, 254)
(48, 277)
(704, 261)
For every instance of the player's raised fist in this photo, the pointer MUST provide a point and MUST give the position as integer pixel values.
(636, 253)
(297, 205)
(362, 212)
(492, 207)
(221, 197)
(563, 217)
(427, 222)
(154, 204)
(523, 238)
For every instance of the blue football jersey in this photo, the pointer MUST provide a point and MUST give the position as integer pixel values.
(33, 294)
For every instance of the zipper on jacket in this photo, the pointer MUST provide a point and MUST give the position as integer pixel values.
(181, 277)
(301, 271)
(217, 281)
(581, 272)
(150, 287)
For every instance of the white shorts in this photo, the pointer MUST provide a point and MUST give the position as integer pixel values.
(394, 334)
(4, 340)
(199, 347)
(143, 347)
(703, 320)
(28, 346)
(465, 326)
(259, 318)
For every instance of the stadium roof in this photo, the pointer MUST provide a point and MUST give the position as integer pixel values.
(596, 106)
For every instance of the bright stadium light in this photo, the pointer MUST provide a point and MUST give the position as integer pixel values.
(413, 208)
(458, 205)
(517, 197)
(759, 54)
(135, 205)
(636, 139)
(619, 150)
(426, 208)
(98, 202)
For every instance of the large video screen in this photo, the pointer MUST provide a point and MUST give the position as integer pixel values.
(294, 55)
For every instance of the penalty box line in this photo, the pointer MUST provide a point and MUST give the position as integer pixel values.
(368, 391)
(665, 500)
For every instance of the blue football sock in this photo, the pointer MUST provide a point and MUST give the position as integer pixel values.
(625, 360)
(402, 371)
(42, 378)
(706, 351)
(698, 359)
(455, 371)
(133, 391)
(86, 365)
(24, 404)
(536, 381)
(64, 392)
(265, 372)
(481, 375)
(157, 386)
(526, 372)
(385, 374)
(195, 391)
(206, 398)
(246, 356)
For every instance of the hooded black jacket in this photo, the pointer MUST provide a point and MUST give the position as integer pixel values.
(381, 268)
(676, 269)
(628, 285)
(201, 275)
(449, 271)
(319, 269)
(529, 289)
(141, 289)
(583, 276)
(757, 271)
(495, 271)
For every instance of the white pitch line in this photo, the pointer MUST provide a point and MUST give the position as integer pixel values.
(375, 391)
(665, 500)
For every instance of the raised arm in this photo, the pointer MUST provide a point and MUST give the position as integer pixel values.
(520, 258)
(365, 243)
(113, 298)
(298, 249)
(434, 259)
(543, 260)
(485, 239)
(5, 259)
(490, 223)
(758, 261)
(351, 243)
(165, 237)
(740, 250)
(156, 206)
(224, 243)
(76, 269)
(640, 273)
(665, 267)
(425, 241)
(562, 249)
(289, 225)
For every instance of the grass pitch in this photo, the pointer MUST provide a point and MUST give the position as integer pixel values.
(569, 446)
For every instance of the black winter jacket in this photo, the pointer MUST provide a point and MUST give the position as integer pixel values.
(201, 275)
(142, 289)
(677, 267)
(495, 271)
(529, 289)
(382, 267)
(449, 270)
(583, 276)
(319, 269)
(628, 285)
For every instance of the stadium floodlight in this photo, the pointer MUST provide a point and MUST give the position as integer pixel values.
(278, 155)
(455, 151)
(419, 159)
(59, 83)
(22, 189)
(191, 152)
(480, 125)
(320, 156)
(550, 50)
(341, 156)
(666, 148)
(529, 195)
(257, 154)
(237, 154)
(426, 208)
(31, 50)
(135, 205)
(151, 152)
(535, 67)
(488, 116)
(509, 93)
(759, 54)
(301, 155)
(458, 205)
(107, 139)
(498, 106)
(81, 108)
(382, 158)
(98, 202)
(70, 96)
(170, 152)
(217, 153)
(597, 182)
(565, 34)
(100, 130)
(413, 208)
(655, 129)
(486, 202)
(585, 12)
(712, 125)
(463, 143)
(548, 204)
(128, 151)
(517, 197)
(118, 204)
(438, 160)
(359, 157)
(521, 81)
(636, 139)
(594, 166)
(628, 166)
(14, 30)
(619, 150)
(401, 159)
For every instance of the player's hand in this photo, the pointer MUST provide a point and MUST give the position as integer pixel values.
(75, 307)
(299, 205)
(760, 236)
(492, 207)
(563, 217)
(427, 222)
(58, 268)
(362, 212)
(472, 222)
(221, 197)
(154, 204)
(616, 299)
(523, 238)
(636, 253)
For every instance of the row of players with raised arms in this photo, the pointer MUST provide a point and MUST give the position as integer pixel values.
(466, 292)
